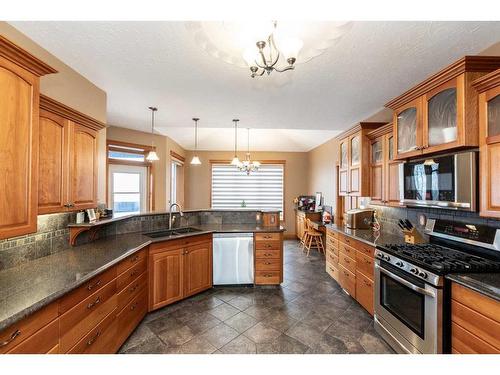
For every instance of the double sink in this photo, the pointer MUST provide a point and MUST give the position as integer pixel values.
(172, 232)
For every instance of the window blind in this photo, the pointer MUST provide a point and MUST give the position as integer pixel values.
(262, 189)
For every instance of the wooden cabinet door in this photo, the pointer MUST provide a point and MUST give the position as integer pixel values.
(83, 167)
(53, 163)
(18, 150)
(343, 167)
(443, 116)
(165, 277)
(377, 170)
(392, 196)
(408, 129)
(197, 268)
(354, 175)
(489, 155)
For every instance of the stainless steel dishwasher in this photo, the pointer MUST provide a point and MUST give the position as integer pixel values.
(233, 259)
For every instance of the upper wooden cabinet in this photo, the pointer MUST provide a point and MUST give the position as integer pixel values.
(68, 158)
(488, 88)
(384, 170)
(19, 100)
(441, 112)
(354, 160)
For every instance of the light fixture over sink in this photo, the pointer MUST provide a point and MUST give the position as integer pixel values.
(195, 160)
(248, 165)
(152, 156)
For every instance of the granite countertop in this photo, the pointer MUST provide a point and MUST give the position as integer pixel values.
(30, 286)
(484, 283)
(368, 236)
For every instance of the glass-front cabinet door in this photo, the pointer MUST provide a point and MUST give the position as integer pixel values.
(343, 167)
(407, 128)
(354, 186)
(355, 150)
(377, 171)
(440, 117)
(493, 116)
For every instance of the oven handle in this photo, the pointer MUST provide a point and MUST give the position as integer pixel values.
(406, 283)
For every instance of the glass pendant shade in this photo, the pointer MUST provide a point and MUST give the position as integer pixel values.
(152, 156)
(235, 161)
(290, 47)
(195, 160)
(250, 56)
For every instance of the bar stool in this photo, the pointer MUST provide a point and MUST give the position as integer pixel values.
(314, 239)
(305, 236)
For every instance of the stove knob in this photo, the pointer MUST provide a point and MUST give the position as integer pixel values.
(400, 264)
(387, 257)
(380, 255)
(414, 270)
(422, 274)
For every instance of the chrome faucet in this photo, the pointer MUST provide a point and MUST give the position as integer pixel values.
(170, 214)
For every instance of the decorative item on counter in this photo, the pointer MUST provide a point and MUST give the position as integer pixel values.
(375, 223)
(306, 203)
(412, 235)
(80, 217)
(317, 201)
(91, 215)
(326, 217)
(243, 203)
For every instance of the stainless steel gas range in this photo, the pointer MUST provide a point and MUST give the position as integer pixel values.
(412, 297)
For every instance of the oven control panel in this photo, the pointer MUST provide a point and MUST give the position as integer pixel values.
(405, 266)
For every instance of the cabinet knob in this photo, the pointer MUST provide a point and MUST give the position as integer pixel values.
(11, 338)
(92, 304)
(92, 340)
(92, 286)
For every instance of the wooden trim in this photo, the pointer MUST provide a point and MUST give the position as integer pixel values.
(128, 162)
(222, 161)
(130, 145)
(26, 60)
(487, 81)
(358, 127)
(175, 155)
(465, 64)
(69, 113)
(383, 130)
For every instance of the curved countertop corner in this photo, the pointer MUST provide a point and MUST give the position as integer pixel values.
(30, 286)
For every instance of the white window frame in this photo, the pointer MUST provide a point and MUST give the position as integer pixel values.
(143, 187)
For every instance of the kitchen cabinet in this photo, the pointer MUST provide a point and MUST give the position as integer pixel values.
(384, 170)
(178, 269)
(20, 75)
(475, 322)
(440, 113)
(68, 158)
(354, 166)
(488, 88)
(300, 217)
(268, 257)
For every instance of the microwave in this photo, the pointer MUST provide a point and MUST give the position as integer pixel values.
(444, 181)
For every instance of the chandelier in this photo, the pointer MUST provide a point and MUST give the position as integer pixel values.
(248, 165)
(265, 56)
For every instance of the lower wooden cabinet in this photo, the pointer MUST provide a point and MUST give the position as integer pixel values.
(364, 291)
(42, 342)
(178, 269)
(300, 217)
(268, 258)
(475, 320)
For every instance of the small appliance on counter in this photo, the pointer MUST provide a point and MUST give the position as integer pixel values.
(360, 218)
(306, 203)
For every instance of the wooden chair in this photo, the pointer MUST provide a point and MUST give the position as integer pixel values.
(314, 239)
(305, 236)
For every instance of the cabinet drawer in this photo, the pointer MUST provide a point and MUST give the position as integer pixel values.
(348, 262)
(332, 234)
(95, 341)
(266, 254)
(131, 290)
(332, 271)
(78, 321)
(130, 275)
(333, 249)
(267, 236)
(267, 277)
(20, 331)
(131, 261)
(364, 264)
(332, 241)
(464, 342)
(365, 249)
(476, 301)
(160, 247)
(476, 323)
(40, 342)
(346, 239)
(90, 287)
(364, 292)
(347, 250)
(268, 245)
(347, 280)
(130, 317)
(331, 257)
(267, 264)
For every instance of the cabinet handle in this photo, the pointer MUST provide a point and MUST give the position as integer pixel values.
(345, 273)
(92, 340)
(133, 273)
(267, 236)
(347, 240)
(267, 263)
(92, 286)
(134, 259)
(11, 338)
(368, 261)
(267, 254)
(347, 260)
(134, 287)
(367, 283)
(92, 304)
(134, 306)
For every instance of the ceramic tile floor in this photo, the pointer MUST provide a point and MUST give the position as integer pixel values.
(309, 313)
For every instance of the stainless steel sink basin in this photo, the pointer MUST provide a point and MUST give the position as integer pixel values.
(172, 232)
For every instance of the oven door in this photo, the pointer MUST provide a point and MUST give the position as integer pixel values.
(407, 310)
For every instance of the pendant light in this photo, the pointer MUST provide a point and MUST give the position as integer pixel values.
(236, 162)
(248, 165)
(195, 160)
(152, 156)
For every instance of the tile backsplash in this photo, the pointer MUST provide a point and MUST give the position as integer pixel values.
(53, 232)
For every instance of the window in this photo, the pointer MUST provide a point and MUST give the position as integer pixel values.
(176, 182)
(127, 189)
(262, 189)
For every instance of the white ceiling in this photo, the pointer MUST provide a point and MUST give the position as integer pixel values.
(140, 64)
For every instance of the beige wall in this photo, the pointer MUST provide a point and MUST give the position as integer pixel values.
(70, 88)
(161, 167)
(322, 174)
(198, 178)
